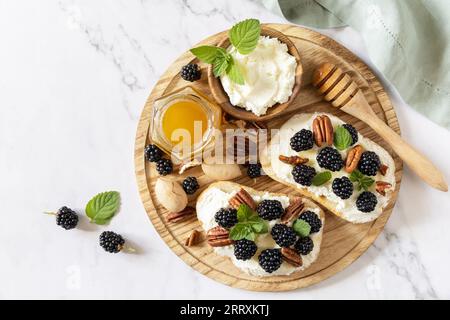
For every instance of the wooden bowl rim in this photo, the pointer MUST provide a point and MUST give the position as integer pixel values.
(219, 93)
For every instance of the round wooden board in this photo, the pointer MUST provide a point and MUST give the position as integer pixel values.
(342, 242)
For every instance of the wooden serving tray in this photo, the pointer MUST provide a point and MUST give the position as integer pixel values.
(342, 242)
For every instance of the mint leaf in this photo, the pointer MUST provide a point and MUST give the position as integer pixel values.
(220, 64)
(250, 236)
(342, 138)
(244, 35)
(238, 232)
(249, 224)
(260, 227)
(301, 227)
(355, 176)
(208, 54)
(244, 212)
(364, 182)
(234, 73)
(242, 231)
(102, 207)
(321, 178)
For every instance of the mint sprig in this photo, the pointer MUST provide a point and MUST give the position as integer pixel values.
(244, 37)
(249, 225)
(102, 207)
(221, 63)
(302, 228)
(208, 54)
(234, 73)
(342, 138)
(321, 178)
(363, 182)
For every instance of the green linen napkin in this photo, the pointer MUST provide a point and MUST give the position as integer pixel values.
(407, 40)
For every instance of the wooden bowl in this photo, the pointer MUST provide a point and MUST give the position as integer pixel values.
(222, 98)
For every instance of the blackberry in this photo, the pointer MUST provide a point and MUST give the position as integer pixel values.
(303, 174)
(152, 153)
(254, 170)
(351, 129)
(342, 187)
(313, 220)
(330, 159)
(283, 235)
(366, 202)
(369, 163)
(304, 245)
(190, 185)
(270, 260)
(66, 218)
(270, 209)
(244, 249)
(111, 241)
(164, 167)
(191, 72)
(302, 140)
(226, 217)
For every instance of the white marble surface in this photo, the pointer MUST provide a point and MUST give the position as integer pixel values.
(74, 76)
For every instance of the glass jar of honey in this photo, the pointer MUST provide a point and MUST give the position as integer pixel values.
(184, 122)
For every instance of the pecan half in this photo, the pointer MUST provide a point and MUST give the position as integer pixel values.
(193, 238)
(242, 197)
(294, 160)
(292, 211)
(353, 157)
(323, 130)
(183, 215)
(292, 257)
(218, 237)
(383, 169)
(382, 186)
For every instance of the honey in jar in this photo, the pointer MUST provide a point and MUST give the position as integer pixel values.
(184, 117)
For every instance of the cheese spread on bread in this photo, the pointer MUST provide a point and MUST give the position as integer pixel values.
(216, 197)
(347, 208)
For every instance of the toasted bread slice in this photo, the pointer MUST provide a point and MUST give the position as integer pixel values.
(217, 195)
(346, 209)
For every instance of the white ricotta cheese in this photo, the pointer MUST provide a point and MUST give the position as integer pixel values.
(348, 206)
(269, 73)
(213, 199)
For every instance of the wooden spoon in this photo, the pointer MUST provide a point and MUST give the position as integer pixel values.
(339, 89)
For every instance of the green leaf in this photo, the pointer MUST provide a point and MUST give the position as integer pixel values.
(321, 178)
(342, 138)
(101, 208)
(220, 64)
(364, 182)
(244, 212)
(250, 236)
(260, 227)
(301, 227)
(208, 54)
(239, 231)
(355, 176)
(249, 224)
(244, 35)
(234, 73)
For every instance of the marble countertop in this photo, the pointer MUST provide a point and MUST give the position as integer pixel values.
(74, 76)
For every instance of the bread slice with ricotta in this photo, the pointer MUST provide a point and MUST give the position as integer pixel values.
(323, 194)
(217, 196)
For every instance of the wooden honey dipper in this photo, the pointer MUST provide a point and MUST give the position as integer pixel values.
(339, 89)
